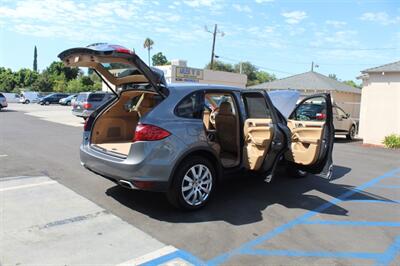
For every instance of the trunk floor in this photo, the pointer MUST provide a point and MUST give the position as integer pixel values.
(118, 147)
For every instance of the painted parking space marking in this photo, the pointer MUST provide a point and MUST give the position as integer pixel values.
(53, 225)
(50, 182)
(150, 256)
(3, 155)
(249, 248)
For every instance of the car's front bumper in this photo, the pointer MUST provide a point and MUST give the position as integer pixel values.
(148, 166)
(3, 104)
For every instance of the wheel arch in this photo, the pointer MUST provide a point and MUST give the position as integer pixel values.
(208, 154)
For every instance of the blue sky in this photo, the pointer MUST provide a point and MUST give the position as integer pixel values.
(282, 37)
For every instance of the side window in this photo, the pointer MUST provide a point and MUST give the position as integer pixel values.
(191, 106)
(313, 109)
(256, 106)
(341, 112)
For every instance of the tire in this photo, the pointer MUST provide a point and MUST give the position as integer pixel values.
(188, 192)
(292, 171)
(27, 101)
(47, 103)
(69, 103)
(352, 133)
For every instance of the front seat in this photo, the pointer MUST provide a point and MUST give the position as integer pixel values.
(225, 122)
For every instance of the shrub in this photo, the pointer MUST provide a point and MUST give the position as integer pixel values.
(392, 141)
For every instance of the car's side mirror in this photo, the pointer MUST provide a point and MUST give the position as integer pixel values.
(347, 115)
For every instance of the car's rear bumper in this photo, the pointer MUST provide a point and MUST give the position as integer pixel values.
(148, 166)
(82, 113)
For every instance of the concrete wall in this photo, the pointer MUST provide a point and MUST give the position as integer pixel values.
(380, 107)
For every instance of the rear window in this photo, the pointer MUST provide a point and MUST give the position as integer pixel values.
(96, 97)
(256, 106)
(81, 97)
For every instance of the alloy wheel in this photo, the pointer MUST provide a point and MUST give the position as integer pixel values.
(197, 184)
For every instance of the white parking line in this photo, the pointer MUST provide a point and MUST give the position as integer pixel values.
(28, 185)
(150, 256)
(3, 155)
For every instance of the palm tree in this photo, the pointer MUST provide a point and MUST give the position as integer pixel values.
(148, 43)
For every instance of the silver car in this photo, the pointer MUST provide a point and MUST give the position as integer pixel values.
(181, 139)
(87, 102)
(3, 101)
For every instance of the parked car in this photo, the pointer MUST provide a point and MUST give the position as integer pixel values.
(68, 100)
(87, 102)
(52, 98)
(3, 101)
(29, 97)
(181, 138)
(11, 97)
(343, 123)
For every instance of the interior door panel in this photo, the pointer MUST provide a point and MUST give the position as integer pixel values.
(258, 134)
(306, 141)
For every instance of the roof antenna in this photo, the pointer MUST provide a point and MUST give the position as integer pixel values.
(312, 66)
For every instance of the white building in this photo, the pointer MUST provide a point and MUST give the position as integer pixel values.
(380, 103)
(179, 72)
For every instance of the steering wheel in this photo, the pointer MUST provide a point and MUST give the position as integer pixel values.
(213, 115)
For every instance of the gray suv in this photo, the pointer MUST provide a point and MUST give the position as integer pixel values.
(87, 102)
(181, 139)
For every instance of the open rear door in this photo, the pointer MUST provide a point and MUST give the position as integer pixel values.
(116, 64)
(312, 135)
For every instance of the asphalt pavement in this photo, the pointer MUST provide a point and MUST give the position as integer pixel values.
(352, 219)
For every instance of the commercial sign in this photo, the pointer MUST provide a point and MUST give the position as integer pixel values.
(188, 74)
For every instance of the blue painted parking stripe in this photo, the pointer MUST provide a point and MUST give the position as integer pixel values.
(179, 254)
(390, 253)
(324, 254)
(387, 186)
(353, 223)
(373, 201)
(247, 246)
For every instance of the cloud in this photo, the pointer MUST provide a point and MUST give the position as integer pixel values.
(242, 8)
(294, 17)
(335, 23)
(200, 3)
(263, 1)
(380, 17)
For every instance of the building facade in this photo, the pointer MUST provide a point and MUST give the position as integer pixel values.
(380, 103)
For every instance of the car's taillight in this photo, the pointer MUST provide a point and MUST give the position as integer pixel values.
(87, 105)
(88, 123)
(149, 133)
(320, 116)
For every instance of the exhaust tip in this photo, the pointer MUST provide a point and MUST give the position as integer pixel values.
(126, 184)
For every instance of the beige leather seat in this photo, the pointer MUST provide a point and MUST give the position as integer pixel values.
(225, 122)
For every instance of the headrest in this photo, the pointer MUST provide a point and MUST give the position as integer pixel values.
(225, 109)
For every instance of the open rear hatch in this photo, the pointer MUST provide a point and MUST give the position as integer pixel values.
(138, 87)
(105, 59)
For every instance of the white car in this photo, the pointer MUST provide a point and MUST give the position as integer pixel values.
(29, 97)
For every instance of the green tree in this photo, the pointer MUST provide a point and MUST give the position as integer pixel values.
(221, 66)
(43, 83)
(159, 59)
(250, 71)
(148, 44)
(60, 83)
(8, 80)
(25, 77)
(333, 76)
(35, 59)
(352, 83)
(57, 68)
(263, 76)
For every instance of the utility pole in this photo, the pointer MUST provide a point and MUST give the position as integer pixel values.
(35, 59)
(312, 66)
(214, 33)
